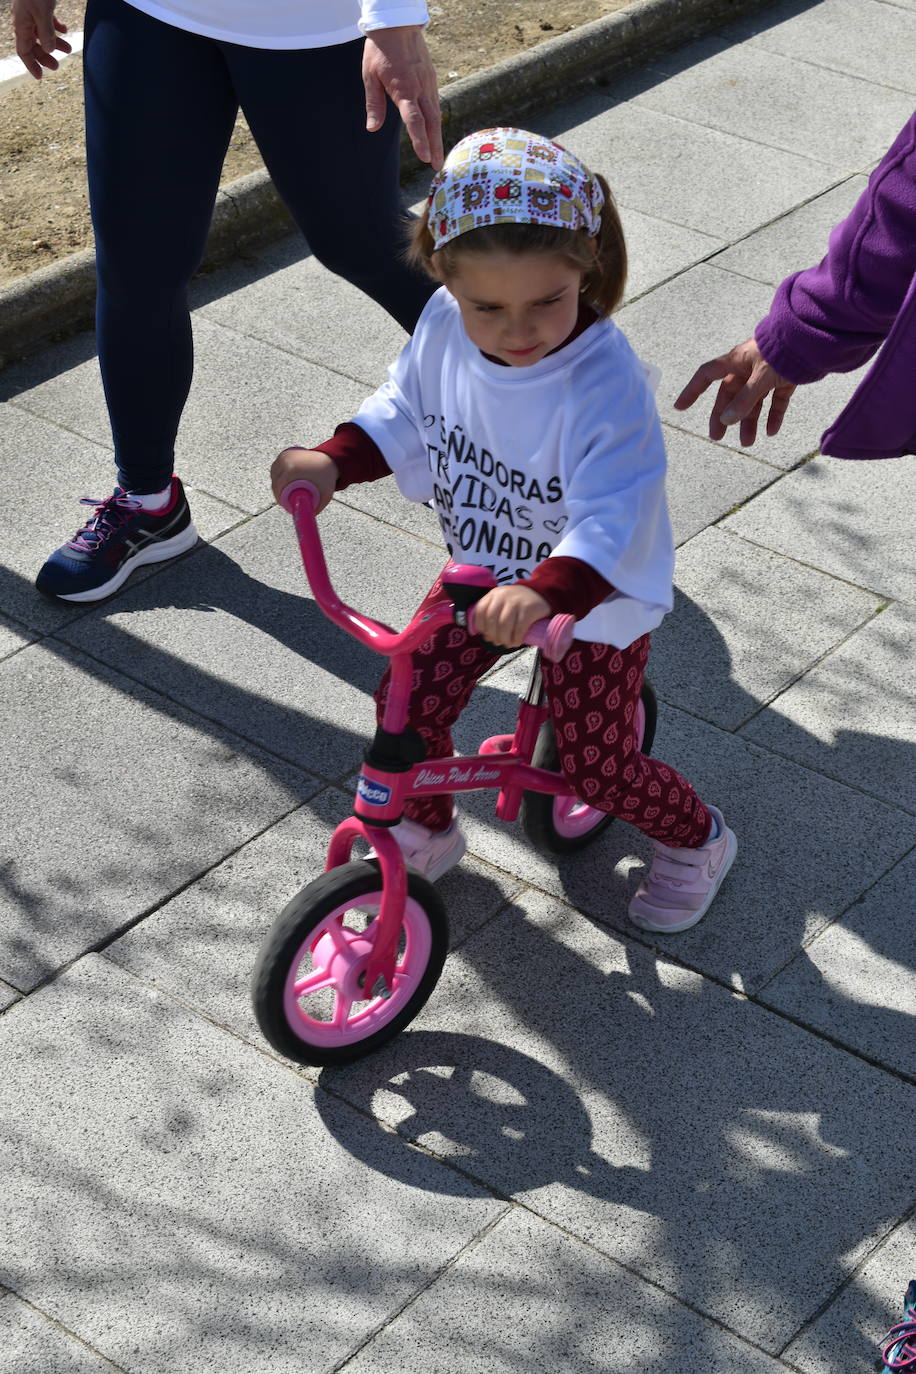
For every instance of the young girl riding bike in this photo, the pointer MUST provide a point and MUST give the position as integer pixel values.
(521, 412)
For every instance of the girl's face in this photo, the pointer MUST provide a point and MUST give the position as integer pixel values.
(516, 306)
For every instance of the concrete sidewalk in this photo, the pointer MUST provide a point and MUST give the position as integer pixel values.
(592, 1151)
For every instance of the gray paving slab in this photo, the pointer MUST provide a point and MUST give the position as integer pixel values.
(789, 104)
(34, 1345)
(658, 249)
(854, 520)
(46, 511)
(8, 995)
(674, 169)
(700, 315)
(864, 38)
(774, 899)
(526, 1296)
(13, 637)
(243, 642)
(299, 306)
(201, 945)
(746, 624)
(248, 400)
(856, 981)
(384, 502)
(854, 715)
(845, 1338)
(213, 1219)
(797, 240)
(530, 1068)
(115, 796)
(706, 481)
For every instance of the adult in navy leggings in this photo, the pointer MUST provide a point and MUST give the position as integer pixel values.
(161, 103)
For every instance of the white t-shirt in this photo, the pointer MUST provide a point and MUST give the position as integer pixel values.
(565, 457)
(284, 23)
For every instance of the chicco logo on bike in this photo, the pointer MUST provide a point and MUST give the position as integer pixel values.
(373, 793)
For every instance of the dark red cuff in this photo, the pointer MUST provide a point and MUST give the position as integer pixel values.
(569, 586)
(358, 458)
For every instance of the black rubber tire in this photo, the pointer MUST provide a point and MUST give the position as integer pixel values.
(291, 929)
(537, 807)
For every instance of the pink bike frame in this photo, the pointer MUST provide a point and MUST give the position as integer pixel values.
(503, 762)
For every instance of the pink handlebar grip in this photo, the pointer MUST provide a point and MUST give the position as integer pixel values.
(301, 485)
(552, 635)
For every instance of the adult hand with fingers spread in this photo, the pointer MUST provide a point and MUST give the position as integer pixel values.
(745, 380)
(396, 63)
(38, 35)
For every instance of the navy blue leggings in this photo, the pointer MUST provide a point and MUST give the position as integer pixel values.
(160, 108)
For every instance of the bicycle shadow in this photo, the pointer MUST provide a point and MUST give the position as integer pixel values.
(656, 1124)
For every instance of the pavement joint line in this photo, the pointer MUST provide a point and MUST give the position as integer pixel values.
(475, 1240)
(16, 402)
(854, 1274)
(879, 592)
(110, 937)
(755, 998)
(726, 447)
(288, 352)
(839, 71)
(653, 1283)
(809, 667)
(841, 169)
(53, 642)
(57, 300)
(452, 1164)
(56, 1322)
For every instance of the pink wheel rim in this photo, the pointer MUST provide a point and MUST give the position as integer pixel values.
(323, 999)
(573, 818)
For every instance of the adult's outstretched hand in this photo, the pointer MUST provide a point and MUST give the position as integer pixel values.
(38, 32)
(745, 380)
(396, 63)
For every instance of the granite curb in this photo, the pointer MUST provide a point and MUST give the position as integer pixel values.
(58, 300)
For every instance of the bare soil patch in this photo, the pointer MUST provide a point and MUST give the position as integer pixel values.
(43, 209)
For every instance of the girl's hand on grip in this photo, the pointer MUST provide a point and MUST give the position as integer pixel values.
(304, 465)
(505, 615)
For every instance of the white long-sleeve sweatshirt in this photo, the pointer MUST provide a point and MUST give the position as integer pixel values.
(284, 23)
(562, 458)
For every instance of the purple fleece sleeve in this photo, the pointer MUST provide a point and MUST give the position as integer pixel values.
(833, 317)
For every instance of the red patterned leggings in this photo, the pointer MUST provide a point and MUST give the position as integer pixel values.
(593, 695)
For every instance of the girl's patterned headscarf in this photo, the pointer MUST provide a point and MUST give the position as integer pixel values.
(510, 176)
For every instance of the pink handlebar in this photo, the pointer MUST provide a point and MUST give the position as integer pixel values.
(552, 636)
(286, 495)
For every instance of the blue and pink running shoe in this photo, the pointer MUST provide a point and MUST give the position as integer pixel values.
(118, 537)
(898, 1349)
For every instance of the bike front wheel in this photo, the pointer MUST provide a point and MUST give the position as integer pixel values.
(563, 825)
(308, 984)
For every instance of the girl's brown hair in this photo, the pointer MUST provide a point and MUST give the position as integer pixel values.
(602, 260)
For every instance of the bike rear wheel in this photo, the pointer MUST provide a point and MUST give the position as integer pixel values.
(563, 825)
(307, 990)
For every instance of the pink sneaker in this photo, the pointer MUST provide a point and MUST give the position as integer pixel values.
(681, 883)
(430, 852)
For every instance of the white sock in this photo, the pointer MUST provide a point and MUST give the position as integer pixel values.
(153, 500)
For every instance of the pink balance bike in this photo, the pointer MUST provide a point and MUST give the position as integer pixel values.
(354, 956)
